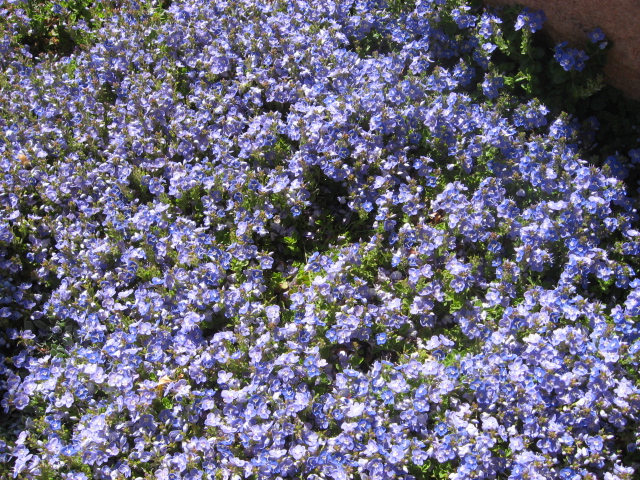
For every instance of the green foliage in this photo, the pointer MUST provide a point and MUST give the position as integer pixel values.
(320, 385)
(137, 187)
(166, 403)
(529, 73)
(454, 301)
(217, 323)
(291, 243)
(526, 62)
(148, 272)
(238, 266)
(51, 30)
(374, 43)
(190, 203)
(432, 470)
(61, 27)
(107, 94)
(401, 6)
(371, 261)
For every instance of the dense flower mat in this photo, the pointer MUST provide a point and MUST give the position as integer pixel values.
(326, 240)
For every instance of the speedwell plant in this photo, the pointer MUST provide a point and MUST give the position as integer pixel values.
(356, 239)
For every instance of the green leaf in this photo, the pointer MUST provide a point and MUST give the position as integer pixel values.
(537, 53)
(559, 78)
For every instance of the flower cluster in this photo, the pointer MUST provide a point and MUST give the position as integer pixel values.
(275, 239)
(570, 58)
(530, 20)
(576, 59)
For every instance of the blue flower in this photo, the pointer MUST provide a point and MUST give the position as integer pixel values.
(596, 35)
(530, 20)
(441, 429)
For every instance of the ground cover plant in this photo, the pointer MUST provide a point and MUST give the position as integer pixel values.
(328, 240)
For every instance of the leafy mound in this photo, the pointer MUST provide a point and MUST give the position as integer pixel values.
(274, 239)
